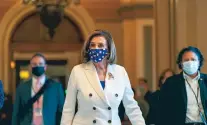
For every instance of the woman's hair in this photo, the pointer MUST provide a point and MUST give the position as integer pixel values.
(111, 57)
(163, 75)
(190, 49)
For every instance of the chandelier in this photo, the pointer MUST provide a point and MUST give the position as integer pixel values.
(51, 12)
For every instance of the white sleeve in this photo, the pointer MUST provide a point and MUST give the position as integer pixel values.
(131, 107)
(70, 101)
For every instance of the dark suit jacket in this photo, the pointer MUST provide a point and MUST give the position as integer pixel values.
(1, 95)
(153, 100)
(173, 99)
(53, 101)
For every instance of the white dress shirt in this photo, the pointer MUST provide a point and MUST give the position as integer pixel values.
(193, 114)
(34, 81)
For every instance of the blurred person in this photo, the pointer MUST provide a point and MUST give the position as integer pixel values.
(1, 94)
(142, 93)
(142, 87)
(183, 96)
(164, 75)
(153, 98)
(6, 111)
(99, 85)
(40, 100)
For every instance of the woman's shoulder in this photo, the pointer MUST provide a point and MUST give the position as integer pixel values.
(79, 66)
(89, 66)
(116, 66)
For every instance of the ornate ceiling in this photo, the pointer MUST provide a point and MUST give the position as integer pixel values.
(98, 9)
(100, 3)
(102, 9)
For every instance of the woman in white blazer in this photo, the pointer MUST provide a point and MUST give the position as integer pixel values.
(98, 86)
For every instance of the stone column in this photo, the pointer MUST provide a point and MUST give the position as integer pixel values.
(134, 15)
(162, 35)
(129, 49)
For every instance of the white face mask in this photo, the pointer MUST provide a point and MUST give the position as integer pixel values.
(190, 67)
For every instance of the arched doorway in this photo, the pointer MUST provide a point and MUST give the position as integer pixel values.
(31, 36)
(13, 19)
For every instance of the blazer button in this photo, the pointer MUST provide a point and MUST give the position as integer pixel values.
(94, 108)
(109, 108)
(116, 95)
(94, 121)
(109, 121)
(90, 95)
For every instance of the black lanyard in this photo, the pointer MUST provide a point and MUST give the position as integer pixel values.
(196, 97)
(35, 92)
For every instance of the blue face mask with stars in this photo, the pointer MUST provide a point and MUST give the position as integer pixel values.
(97, 55)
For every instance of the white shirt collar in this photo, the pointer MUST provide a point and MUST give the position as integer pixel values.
(189, 78)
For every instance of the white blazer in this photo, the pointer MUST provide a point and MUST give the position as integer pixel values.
(95, 105)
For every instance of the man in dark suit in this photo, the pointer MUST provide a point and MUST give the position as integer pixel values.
(1, 95)
(183, 97)
(40, 100)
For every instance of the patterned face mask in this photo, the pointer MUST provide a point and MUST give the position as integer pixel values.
(97, 55)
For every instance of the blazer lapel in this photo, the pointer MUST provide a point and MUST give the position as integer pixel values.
(183, 87)
(109, 80)
(109, 73)
(44, 103)
(90, 72)
(203, 91)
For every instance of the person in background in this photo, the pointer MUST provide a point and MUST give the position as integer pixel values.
(99, 85)
(38, 101)
(1, 94)
(6, 111)
(165, 75)
(183, 96)
(142, 92)
(142, 87)
(153, 98)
